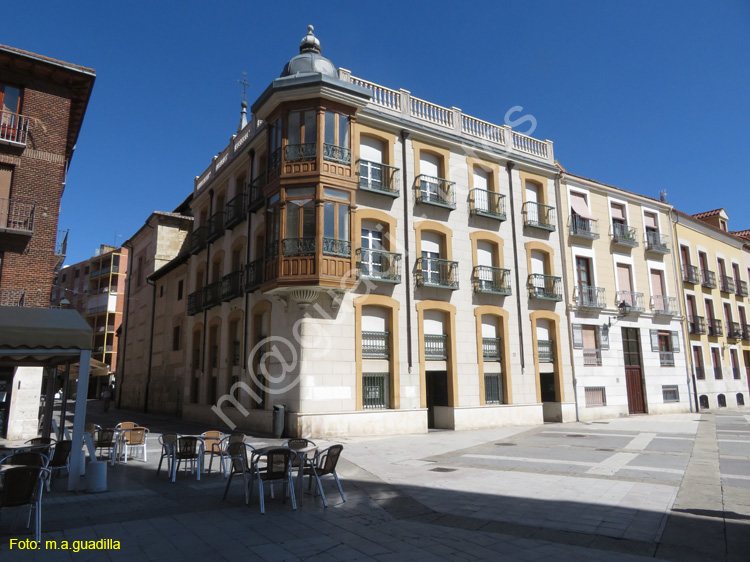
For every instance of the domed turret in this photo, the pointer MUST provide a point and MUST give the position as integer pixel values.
(309, 60)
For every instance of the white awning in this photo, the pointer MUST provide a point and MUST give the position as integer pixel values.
(580, 207)
(618, 212)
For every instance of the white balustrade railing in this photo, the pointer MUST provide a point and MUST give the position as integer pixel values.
(382, 96)
(482, 129)
(529, 145)
(427, 111)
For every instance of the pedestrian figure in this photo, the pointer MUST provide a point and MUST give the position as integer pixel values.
(107, 395)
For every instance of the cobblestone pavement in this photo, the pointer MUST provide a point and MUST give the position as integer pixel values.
(668, 487)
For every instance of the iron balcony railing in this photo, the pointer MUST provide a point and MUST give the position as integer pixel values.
(198, 239)
(545, 351)
(742, 288)
(700, 373)
(587, 296)
(255, 198)
(12, 297)
(718, 373)
(378, 265)
(335, 153)
(435, 346)
(376, 345)
(378, 178)
(493, 388)
(375, 393)
(433, 272)
(336, 247)
(17, 215)
(298, 246)
(735, 331)
(624, 235)
(547, 287)
(272, 249)
(592, 357)
(664, 305)
(297, 152)
(709, 279)
(236, 210)
(727, 284)
(690, 274)
(61, 246)
(274, 159)
(215, 226)
(195, 302)
(491, 349)
(97, 309)
(714, 328)
(666, 358)
(539, 216)
(14, 128)
(634, 302)
(493, 280)
(253, 275)
(231, 286)
(435, 191)
(584, 228)
(697, 325)
(212, 295)
(487, 204)
(656, 242)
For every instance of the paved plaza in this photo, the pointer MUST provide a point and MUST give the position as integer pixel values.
(673, 487)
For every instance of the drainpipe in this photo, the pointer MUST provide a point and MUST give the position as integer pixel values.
(122, 343)
(407, 270)
(150, 345)
(247, 262)
(566, 291)
(509, 168)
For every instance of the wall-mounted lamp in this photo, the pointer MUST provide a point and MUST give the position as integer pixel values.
(623, 309)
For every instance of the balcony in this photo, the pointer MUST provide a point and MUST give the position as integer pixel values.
(198, 239)
(334, 153)
(376, 345)
(215, 226)
(336, 247)
(236, 211)
(540, 216)
(697, 325)
(493, 388)
(300, 152)
(433, 272)
(12, 297)
(715, 328)
(16, 224)
(634, 302)
(624, 235)
(195, 302)
(709, 279)
(378, 265)
(664, 305)
(666, 358)
(690, 274)
(735, 331)
(435, 191)
(592, 357)
(435, 347)
(298, 246)
(231, 286)
(211, 295)
(253, 275)
(378, 178)
(590, 297)
(492, 280)
(61, 248)
(656, 242)
(742, 289)
(546, 287)
(545, 351)
(727, 284)
(255, 197)
(491, 349)
(486, 203)
(584, 228)
(14, 128)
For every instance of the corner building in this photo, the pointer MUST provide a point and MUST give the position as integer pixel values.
(396, 261)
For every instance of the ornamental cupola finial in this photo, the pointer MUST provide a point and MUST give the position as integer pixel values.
(310, 43)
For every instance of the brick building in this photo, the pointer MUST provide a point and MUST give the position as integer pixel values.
(42, 104)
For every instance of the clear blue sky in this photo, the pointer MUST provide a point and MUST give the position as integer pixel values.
(645, 95)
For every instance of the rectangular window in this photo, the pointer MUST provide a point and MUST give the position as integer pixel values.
(78, 273)
(670, 393)
(236, 353)
(10, 98)
(375, 392)
(180, 287)
(176, 337)
(595, 396)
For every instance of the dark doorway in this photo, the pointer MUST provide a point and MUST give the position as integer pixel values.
(437, 393)
(631, 345)
(547, 386)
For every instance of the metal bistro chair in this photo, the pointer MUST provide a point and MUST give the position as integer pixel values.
(41, 444)
(224, 446)
(60, 459)
(27, 458)
(167, 441)
(212, 440)
(278, 466)
(324, 464)
(134, 438)
(23, 487)
(106, 439)
(239, 464)
(189, 449)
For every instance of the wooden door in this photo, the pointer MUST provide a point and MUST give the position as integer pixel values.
(633, 370)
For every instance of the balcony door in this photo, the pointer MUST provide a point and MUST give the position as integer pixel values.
(429, 165)
(6, 177)
(431, 242)
(372, 245)
(371, 156)
(481, 181)
(631, 344)
(486, 261)
(625, 284)
(657, 290)
(585, 281)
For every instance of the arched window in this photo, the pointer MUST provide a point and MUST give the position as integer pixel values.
(722, 401)
(435, 267)
(703, 401)
(740, 399)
